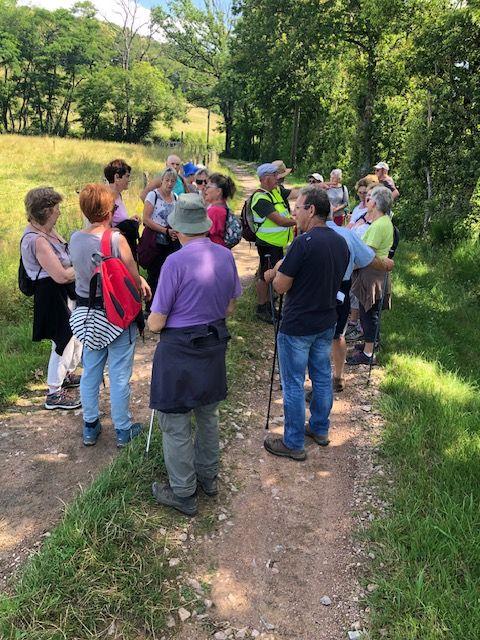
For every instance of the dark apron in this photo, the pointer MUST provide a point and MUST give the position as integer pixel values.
(189, 368)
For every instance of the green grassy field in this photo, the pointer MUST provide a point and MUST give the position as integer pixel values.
(66, 165)
(196, 125)
(430, 542)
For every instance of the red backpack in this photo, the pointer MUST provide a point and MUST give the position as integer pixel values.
(121, 298)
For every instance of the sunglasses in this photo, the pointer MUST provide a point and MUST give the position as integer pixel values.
(312, 181)
(201, 181)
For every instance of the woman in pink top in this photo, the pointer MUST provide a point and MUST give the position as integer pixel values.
(117, 173)
(217, 191)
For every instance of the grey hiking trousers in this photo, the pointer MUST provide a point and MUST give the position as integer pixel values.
(187, 457)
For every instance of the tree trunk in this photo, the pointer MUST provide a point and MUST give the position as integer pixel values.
(227, 110)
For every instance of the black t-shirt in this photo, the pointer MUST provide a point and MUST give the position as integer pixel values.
(316, 261)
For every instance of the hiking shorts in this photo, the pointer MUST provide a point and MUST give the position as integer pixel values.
(264, 250)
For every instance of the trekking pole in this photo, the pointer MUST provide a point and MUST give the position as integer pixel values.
(270, 290)
(275, 349)
(377, 328)
(152, 417)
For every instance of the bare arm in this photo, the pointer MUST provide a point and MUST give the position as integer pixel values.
(282, 283)
(147, 219)
(156, 322)
(270, 274)
(49, 261)
(281, 221)
(156, 183)
(382, 264)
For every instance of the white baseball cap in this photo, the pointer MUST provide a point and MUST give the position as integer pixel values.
(316, 176)
(382, 165)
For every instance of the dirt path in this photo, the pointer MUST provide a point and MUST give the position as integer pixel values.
(284, 537)
(44, 464)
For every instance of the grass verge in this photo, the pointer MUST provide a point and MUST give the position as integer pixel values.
(105, 569)
(65, 164)
(429, 544)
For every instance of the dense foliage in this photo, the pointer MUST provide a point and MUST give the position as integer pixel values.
(321, 84)
(361, 81)
(396, 81)
(64, 72)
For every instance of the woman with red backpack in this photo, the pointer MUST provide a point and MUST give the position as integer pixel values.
(102, 340)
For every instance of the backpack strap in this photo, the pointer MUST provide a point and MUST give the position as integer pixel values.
(106, 243)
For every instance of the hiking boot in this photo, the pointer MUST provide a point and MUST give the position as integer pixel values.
(356, 334)
(71, 381)
(323, 441)
(125, 436)
(163, 494)
(60, 400)
(209, 486)
(338, 384)
(359, 357)
(91, 431)
(275, 446)
(264, 313)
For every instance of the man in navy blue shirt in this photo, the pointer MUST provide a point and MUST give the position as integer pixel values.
(310, 275)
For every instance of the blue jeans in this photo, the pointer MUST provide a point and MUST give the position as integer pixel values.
(295, 353)
(119, 354)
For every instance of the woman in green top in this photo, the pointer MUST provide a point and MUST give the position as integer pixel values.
(368, 283)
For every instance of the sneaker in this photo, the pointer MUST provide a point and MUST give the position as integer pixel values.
(209, 486)
(323, 441)
(163, 494)
(125, 436)
(338, 384)
(71, 381)
(60, 400)
(359, 357)
(275, 446)
(90, 434)
(361, 347)
(352, 336)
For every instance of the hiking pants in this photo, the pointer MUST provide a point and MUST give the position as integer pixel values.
(186, 455)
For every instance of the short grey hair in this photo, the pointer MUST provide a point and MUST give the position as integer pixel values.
(39, 203)
(383, 198)
(337, 172)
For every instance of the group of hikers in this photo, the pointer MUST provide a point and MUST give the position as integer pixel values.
(333, 262)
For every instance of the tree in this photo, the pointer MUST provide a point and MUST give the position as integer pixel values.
(198, 39)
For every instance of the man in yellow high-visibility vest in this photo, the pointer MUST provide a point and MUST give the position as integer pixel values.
(273, 229)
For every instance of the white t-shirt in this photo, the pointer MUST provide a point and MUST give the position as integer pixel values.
(161, 209)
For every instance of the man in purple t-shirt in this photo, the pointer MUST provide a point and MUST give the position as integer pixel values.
(197, 289)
